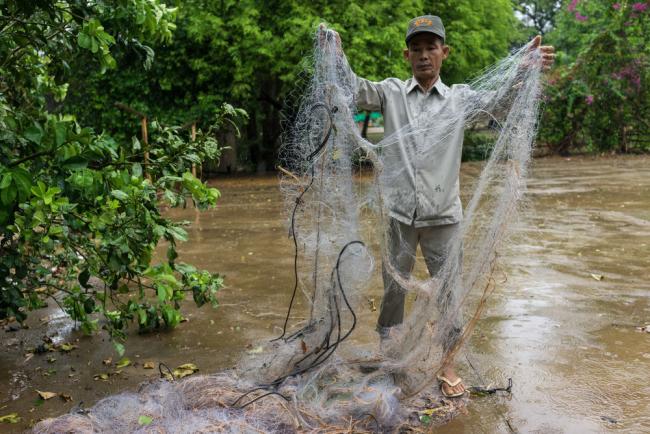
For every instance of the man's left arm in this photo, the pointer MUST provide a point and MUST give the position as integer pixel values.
(494, 103)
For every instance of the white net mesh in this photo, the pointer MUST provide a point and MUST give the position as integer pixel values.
(301, 381)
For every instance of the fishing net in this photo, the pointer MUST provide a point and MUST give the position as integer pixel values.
(312, 378)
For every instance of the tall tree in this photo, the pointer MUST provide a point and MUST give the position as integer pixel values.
(538, 15)
(254, 53)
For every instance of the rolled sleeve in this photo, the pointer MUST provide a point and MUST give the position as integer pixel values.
(369, 95)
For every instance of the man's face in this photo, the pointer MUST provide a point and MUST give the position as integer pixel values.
(425, 53)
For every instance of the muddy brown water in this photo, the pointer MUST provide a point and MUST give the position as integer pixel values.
(563, 326)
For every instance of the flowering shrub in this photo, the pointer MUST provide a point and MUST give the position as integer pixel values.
(597, 98)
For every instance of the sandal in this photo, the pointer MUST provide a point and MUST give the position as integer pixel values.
(442, 379)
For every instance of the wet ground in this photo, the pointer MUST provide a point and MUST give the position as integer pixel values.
(564, 326)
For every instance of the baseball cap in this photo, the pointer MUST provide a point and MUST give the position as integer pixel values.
(425, 24)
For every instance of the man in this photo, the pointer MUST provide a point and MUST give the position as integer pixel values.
(424, 206)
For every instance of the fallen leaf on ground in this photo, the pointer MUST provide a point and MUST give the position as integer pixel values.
(183, 371)
(107, 361)
(46, 395)
(598, 277)
(65, 397)
(66, 348)
(258, 350)
(190, 366)
(123, 363)
(10, 418)
(145, 420)
(103, 377)
(148, 365)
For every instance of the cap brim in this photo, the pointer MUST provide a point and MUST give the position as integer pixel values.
(418, 32)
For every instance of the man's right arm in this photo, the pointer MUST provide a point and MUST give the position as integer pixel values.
(368, 95)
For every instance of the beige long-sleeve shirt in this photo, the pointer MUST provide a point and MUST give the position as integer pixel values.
(423, 142)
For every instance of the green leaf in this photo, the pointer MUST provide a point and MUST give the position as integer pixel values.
(135, 144)
(145, 420)
(34, 134)
(76, 162)
(23, 182)
(161, 292)
(142, 316)
(6, 180)
(83, 40)
(170, 316)
(60, 133)
(178, 233)
(119, 195)
(136, 170)
(123, 363)
(119, 348)
(8, 195)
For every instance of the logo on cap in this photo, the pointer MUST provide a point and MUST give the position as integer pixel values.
(422, 22)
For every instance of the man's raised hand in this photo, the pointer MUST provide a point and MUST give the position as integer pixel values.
(324, 34)
(547, 52)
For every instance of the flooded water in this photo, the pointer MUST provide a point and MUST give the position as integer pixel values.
(563, 325)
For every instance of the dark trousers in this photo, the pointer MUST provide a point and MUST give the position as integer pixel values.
(435, 242)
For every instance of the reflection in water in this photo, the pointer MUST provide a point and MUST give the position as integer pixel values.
(566, 339)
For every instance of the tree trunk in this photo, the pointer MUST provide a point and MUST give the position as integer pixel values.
(364, 130)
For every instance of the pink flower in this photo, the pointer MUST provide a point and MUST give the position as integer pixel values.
(580, 17)
(589, 99)
(639, 7)
(572, 5)
(616, 6)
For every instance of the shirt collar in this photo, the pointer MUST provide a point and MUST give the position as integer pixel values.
(439, 86)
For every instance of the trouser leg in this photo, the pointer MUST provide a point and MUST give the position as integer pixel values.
(436, 243)
(402, 242)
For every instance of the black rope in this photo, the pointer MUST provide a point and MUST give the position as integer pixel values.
(245, 395)
(325, 350)
(330, 348)
(313, 154)
(491, 390)
(171, 374)
(264, 396)
(374, 419)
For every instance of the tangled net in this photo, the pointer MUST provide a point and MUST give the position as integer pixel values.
(306, 380)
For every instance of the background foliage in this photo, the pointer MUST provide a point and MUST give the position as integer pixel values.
(597, 96)
(252, 53)
(79, 214)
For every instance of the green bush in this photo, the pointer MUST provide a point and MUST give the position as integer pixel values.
(478, 144)
(597, 97)
(79, 211)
